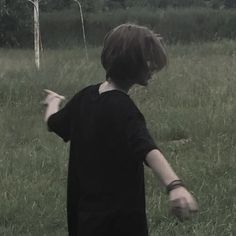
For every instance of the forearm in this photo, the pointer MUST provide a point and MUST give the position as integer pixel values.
(52, 108)
(161, 167)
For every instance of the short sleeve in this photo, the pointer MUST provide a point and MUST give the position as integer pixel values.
(139, 140)
(60, 122)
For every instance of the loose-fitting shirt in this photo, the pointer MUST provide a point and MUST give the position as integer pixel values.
(109, 141)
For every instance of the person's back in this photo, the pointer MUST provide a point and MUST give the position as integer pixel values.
(109, 141)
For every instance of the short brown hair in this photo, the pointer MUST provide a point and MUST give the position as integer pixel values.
(131, 51)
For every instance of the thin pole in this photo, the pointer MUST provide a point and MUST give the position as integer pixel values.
(36, 33)
(82, 22)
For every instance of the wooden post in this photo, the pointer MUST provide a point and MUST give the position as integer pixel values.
(82, 22)
(36, 33)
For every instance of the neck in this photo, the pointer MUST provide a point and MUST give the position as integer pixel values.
(124, 88)
(111, 85)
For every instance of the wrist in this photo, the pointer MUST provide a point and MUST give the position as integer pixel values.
(173, 185)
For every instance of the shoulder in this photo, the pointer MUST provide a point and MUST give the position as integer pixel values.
(88, 88)
(81, 93)
(122, 105)
(119, 99)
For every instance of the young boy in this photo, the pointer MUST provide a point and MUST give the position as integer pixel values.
(109, 142)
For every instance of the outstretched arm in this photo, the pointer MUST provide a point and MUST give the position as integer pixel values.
(161, 167)
(182, 203)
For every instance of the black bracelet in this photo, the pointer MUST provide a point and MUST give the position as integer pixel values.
(173, 185)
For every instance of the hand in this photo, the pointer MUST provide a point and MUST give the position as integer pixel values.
(52, 96)
(182, 203)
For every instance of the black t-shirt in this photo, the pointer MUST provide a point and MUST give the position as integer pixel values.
(108, 145)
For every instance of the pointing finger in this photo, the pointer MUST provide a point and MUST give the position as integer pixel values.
(50, 92)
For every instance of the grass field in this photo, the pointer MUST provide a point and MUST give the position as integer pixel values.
(190, 109)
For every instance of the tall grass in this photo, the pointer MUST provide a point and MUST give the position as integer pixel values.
(193, 100)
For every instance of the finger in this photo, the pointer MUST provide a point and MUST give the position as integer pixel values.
(180, 208)
(157, 35)
(61, 97)
(50, 92)
(193, 206)
(181, 213)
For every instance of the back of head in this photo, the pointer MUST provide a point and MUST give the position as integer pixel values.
(131, 53)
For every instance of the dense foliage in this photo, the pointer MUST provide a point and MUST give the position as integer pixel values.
(49, 5)
(103, 5)
(16, 19)
(182, 25)
(15, 22)
(169, 3)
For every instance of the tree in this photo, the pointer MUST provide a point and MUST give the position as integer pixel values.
(15, 22)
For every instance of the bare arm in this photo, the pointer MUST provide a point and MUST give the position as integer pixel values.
(161, 167)
(182, 203)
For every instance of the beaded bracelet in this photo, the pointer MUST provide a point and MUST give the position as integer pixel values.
(173, 185)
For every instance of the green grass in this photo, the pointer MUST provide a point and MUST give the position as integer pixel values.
(193, 99)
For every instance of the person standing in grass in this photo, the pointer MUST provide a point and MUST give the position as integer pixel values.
(110, 143)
